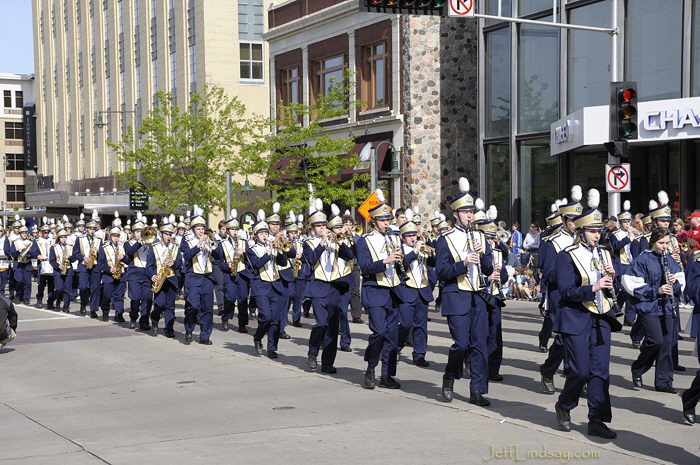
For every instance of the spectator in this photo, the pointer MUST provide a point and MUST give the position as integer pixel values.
(515, 245)
(681, 230)
(694, 233)
(530, 245)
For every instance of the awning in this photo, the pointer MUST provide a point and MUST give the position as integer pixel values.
(23, 213)
(364, 150)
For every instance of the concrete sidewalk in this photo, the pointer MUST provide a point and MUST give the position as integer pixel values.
(77, 390)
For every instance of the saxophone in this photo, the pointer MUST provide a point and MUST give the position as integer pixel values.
(92, 258)
(164, 273)
(119, 266)
(236, 260)
(297, 262)
(66, 261)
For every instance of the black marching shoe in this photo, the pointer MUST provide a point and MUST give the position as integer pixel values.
(679, 368)
(547, 385)
(330, 370)
(369, 382)
(388, 382)
(563, 418)
(600, 429)
(39, 304)
(637, 380)
(66, 309)
(93, 315)
(154, 328)
(358, 321)
(272, 354)
(242, 329)
(205, 342)
(169, 333)
(188, 336)
(421, 362)
(496, 377)
(296, 324)
(477, 398)
(224, 324)
(119, 318)
(629, 323)
(689, 415)
(26, 302)
(258, 346)
(345, 349)
(311, 361)
(83, 312)
(668, 389)
(447, 389)
(105, 317)
(132, 324)
(284, 335)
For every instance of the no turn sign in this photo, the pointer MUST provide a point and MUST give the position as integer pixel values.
(461, 8)
(617, 178)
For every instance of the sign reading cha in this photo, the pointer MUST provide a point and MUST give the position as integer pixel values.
(677, 118)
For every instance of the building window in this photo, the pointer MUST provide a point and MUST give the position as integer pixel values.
(696, 49)
(498, 82)
(538, 81)
(498, 178)
(536, 191)
(15, 162)
(328, 73)
(289, 91)
(14, 130)
(250, 20)
(7, 94)
(589, 58)
(251, 61)
(374, 83)
(19, 99)
(15, 193)
(653, 39)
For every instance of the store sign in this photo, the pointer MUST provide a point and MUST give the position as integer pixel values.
(659, 120)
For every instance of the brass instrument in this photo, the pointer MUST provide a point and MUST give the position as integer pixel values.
(470, 246)
(149, 236)
(66, 261)
(685, 247)
(92, 258)
(165, 271)
(209, 244)
(23, 256)
(119, 267)
(233, 265)
(635, 232)
(427, 250)
(357, 230)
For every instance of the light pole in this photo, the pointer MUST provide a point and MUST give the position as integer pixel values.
(374, 169)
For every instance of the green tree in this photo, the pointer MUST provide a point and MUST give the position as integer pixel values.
(181, 155)
(299, 156)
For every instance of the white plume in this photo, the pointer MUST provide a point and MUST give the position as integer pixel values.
(626, 205)
(139, 216)
(65, 218)
(554, 208)
(409, 214)
(166, 220)
(171, 218)
(492, 213)
(380, 195)
(563, 201)
(128, 221)
(17, 217)
(593, 198)
(82, 216)
(276, 207)
(234, 214)
(576, 193)
(442, 217)
(44, 220)
(144, 220)
(318, 203)
(182, 218)
(194, 210)
(335, 211)
(292, 217)
(300, 218)
(416, 210)
(95, 215)
(437, 213)
(155, 223)
(261, 215)
(663, 198)
(189, 213)
(479, 204)
(347, 212)
(653, 204)
(24, 222)
(116, 213)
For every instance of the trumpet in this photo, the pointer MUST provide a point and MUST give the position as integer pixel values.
(635, 232)
(209, 245)
(282, 245)
(357, 230)
(427, 250)
(685, 247)
(149, 236)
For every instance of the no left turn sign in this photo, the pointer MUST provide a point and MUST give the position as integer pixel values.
(617, 178)
(461, 8)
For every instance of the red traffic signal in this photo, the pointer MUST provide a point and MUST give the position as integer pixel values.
(623, 111)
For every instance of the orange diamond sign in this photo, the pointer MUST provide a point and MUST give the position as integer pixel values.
(371, 202)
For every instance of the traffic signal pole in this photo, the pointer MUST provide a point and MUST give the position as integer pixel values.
(615, 75)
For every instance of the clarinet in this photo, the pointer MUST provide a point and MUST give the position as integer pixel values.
(667, 271)
(398, 265)
(470, 240)
(609, 293)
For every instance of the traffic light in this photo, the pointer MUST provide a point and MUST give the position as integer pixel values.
(623, 110)
(413, 7)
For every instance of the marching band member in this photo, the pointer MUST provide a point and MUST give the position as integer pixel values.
(161, 257)
(286, 274)
(356, 291)
(296, 288)
(553, 226)
(89, 276)
(463, 260)
(218, 274)
(691, 396)
(336, 228)
(621, 244)
(5, 260)
(199, 282)
(270, 291)
(111, 264)
(22, 265)
(60, 259)
(379, 255)
(416, 292)
(585, 320)
(40, 251)
(73, 236)
(138, 278)
(231, 261)
(12, 237)
(331, 261)
(548, 253)
(494, 341)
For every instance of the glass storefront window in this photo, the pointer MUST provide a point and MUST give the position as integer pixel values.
(492, 7)
(538, 181)
(498, 179)
(538, 82)
(530, 6)
(653, 45)
(589, 58)
(696, 49)
(588, 171)
(498, 82)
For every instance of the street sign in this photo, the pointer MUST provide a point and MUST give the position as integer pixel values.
(138, 198)
(371, 202)
(461, 8)
(617, 178)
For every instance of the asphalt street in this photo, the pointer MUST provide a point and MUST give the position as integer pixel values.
(81, 391)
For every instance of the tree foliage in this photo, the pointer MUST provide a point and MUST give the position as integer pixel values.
(181, 155)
